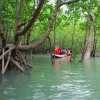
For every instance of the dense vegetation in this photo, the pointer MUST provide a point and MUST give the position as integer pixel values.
(75, 25)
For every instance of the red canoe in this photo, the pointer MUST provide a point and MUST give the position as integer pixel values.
(59, 56)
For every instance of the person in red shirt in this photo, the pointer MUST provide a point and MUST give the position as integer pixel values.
(57, 50)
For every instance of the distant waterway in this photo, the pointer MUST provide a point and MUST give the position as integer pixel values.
(61, 81)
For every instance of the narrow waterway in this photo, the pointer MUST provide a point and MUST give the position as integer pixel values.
(61, 81)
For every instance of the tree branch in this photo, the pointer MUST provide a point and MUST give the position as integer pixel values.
(10, 48)
(32, 21)
(19, 11)
(32, 46)
(69, 2)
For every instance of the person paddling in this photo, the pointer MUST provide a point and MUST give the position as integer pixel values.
(57, 50)
(68, 52)
(63, 51)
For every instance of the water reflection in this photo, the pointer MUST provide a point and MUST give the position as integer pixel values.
(89, 69)
(66, 60)
(59, 61)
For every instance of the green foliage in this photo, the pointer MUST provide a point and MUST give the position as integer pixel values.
(64, 25)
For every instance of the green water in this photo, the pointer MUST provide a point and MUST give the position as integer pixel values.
(62, 81)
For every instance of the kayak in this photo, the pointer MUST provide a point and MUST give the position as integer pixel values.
(59, 56)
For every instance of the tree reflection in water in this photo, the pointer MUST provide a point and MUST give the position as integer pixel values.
(59, 61)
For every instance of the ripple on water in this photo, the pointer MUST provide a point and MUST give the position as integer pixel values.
(71, 91)
(76, 81)
(38, 95)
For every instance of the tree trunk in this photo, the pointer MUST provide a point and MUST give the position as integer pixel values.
(94, 45)
(88, 49)
(73, 34)
(85, 40)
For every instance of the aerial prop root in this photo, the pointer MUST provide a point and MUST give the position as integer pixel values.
(17, 60)
(23, 60)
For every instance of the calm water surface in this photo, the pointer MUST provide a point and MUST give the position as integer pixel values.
(61, 81)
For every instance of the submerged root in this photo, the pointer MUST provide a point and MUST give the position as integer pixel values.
(21, 59)
(16, 58)
(17, 64)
